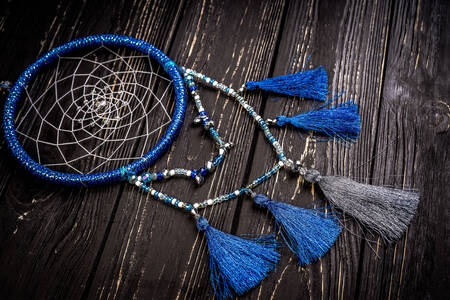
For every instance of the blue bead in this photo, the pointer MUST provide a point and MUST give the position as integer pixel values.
(203, 171)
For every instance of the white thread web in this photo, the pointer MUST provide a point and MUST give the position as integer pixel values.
(95, 112)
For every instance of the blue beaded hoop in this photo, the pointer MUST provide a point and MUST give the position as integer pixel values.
(114, 175)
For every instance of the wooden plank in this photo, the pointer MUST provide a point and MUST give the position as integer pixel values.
(409, 142)
(17, 49)
(359, 45)
(55, 232)
(154, 251)
(299, 40)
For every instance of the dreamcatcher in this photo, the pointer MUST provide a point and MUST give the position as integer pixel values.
(104, 108)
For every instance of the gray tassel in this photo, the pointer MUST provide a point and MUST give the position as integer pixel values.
(387, 211)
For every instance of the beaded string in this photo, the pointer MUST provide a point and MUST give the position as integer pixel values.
(145, 179)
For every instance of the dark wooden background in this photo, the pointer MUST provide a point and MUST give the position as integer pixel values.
(391, 57)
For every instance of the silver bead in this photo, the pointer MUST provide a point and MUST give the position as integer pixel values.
(198, 120)
(300, 168)
(228, 145)
(271, 122)
(132, 179)
(209, 124)
(290, 165)
(210, 166)
(199, 179)
(165, 173)
(296, 167)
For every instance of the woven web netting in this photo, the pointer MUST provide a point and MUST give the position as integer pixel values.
(95, 111)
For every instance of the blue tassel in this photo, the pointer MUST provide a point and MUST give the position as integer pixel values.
(341, 120)
(308, 233)
(312, 84)
(237, 265)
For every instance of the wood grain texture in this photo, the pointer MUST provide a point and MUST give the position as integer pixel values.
(60, 232)
(114, 242)
(188, 274)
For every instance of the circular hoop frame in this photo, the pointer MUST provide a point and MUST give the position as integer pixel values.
(97, 178)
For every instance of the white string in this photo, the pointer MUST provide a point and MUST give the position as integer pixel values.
(84, 120)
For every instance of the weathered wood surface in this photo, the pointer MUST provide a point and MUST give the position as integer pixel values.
(391, 57)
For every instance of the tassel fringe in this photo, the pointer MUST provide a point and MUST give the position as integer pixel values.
(341, 121)
(387, 211)
(311, 84)
(237, 265)
(308, 233)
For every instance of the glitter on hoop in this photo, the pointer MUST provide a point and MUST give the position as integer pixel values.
(114, 175)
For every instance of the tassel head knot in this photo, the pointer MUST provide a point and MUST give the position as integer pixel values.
(251, 85)
(282, 120)
(202, 224)
(261, 200)
(312, 176)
